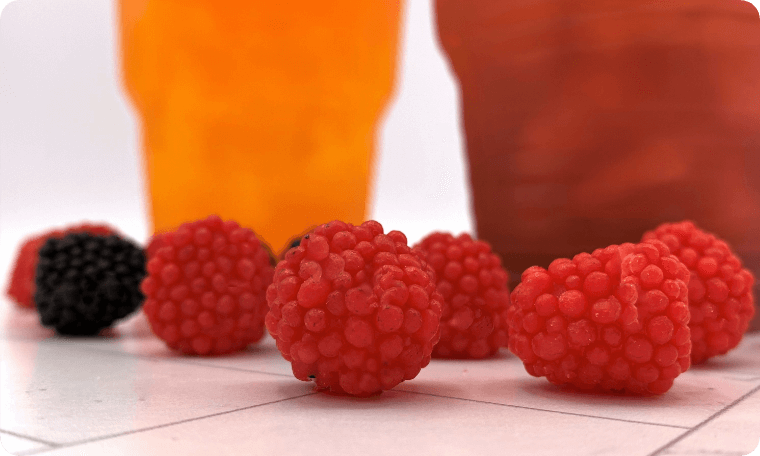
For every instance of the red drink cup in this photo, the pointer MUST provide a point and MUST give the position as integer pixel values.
(590, 122)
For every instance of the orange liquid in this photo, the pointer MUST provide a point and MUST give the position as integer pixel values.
(262, 112)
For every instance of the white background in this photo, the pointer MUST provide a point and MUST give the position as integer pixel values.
(69, 140)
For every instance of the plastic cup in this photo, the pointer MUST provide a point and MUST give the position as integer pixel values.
(261, 112)
(590, 122)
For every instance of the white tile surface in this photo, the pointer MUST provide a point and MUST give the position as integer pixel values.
(742, 421)
(743, 363)
(134, 337)
(64, 394)
(393, 423)
(695, 396)
(21, 324)
(14, 444)
(126, 393)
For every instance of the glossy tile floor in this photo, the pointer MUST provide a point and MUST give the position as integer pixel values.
(126, 394)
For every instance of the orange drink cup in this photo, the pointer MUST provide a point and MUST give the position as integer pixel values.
(261, 112)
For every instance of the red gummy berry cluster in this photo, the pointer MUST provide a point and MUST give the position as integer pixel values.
(721, 300)
(21, 287)
(354, 309)
(475, 295)
(206, 286)
(615, 319)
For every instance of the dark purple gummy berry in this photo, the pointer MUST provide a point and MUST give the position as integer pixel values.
(85, 282)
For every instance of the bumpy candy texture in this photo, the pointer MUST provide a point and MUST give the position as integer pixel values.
(475, 295)
(85, 282)
(21, 286)
(353, 309)
(613, 320)
(206, 286)
(721, 299)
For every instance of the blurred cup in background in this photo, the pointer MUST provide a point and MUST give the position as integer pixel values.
(262, 112)
(590, 122)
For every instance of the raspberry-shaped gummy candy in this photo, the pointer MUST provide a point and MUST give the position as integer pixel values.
(84, 282)
(295, 241)
(353, 309)
(21, 285)
(206, 287)
(721, 299)
(615, 319)
(475, 295)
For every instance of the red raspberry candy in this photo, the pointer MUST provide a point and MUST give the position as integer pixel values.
(475, 295)
(353, 309)
(206, 287)
(612, 320)
(21, 286)
(721, 299)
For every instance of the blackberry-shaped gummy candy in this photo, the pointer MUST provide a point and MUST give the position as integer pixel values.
(21, 286)
(85, 282)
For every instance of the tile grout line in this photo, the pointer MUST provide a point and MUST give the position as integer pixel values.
(545, 410)
(30, 438)
(703, 423)
(165, 425)
(176, 360)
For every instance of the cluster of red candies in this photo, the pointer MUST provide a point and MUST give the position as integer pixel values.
(357, 310)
